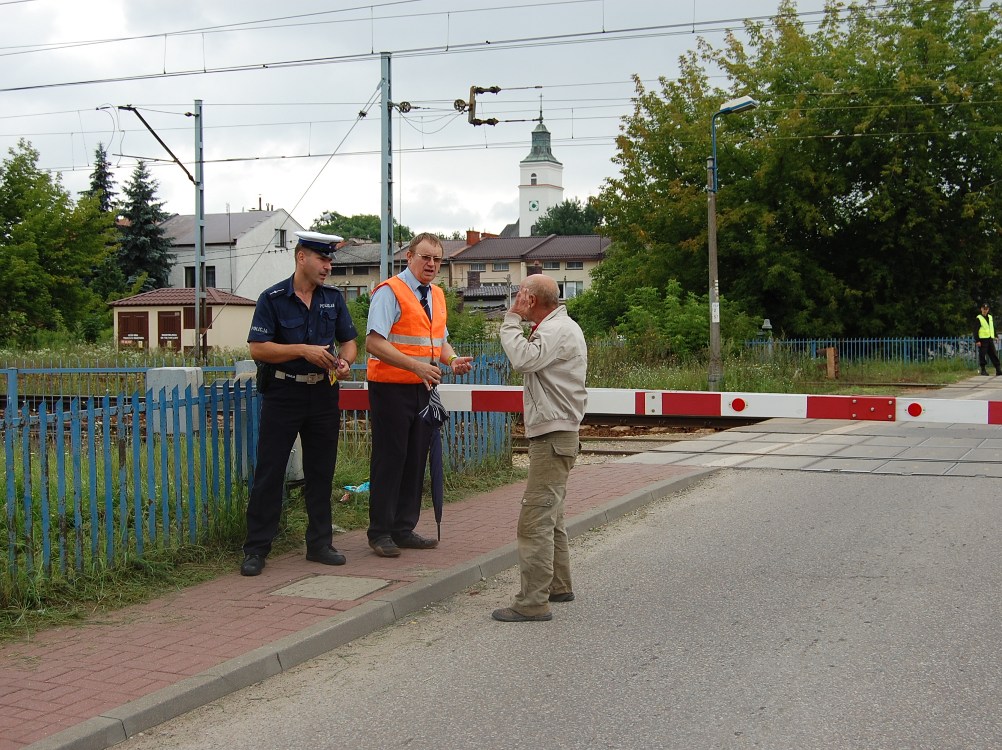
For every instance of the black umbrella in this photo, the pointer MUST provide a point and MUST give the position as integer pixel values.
(435, 415)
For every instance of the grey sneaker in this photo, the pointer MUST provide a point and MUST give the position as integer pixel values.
(509, 615)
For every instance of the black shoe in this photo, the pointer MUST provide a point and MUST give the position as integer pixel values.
(327, 556)
(982, 373)
(384, 547)
(252, 565)
(567, 596)
(416, 541)
(509, 615)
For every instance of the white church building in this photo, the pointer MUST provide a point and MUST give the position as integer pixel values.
(541, 184)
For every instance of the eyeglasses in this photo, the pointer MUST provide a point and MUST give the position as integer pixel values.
(436, 259)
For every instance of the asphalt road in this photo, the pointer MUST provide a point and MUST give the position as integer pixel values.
(760, 609)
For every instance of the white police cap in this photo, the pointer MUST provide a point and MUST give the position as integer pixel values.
(318, 242)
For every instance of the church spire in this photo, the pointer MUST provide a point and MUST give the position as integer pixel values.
(540, 150)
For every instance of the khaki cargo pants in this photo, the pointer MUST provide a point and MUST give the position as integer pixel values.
(543, 555)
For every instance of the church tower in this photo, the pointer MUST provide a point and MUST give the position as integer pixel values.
(541, 181)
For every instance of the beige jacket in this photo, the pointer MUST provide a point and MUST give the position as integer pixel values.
(553, 362)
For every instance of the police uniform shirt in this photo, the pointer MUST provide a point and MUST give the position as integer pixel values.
(384, 309)
(280, 316)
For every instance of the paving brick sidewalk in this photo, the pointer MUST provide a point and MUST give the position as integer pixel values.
(92, 685)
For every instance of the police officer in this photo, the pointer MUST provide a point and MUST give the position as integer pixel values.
(303, 339)
(984, 332)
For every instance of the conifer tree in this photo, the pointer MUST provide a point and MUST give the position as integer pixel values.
(102, 182)
(144, 249)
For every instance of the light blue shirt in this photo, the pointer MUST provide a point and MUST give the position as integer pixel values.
(384, 310)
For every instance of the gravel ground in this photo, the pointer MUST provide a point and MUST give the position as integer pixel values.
(625, 439)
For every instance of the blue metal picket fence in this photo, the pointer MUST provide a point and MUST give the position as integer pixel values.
(907, 350)
(99, 481)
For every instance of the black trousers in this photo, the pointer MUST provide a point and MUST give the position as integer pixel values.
(400, 442)
(987, 351)
(311, 411)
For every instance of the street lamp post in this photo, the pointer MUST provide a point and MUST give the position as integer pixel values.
(741, 104)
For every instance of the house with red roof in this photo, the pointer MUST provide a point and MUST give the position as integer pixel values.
(165, 319)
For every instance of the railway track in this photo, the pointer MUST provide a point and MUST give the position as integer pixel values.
(629, 435)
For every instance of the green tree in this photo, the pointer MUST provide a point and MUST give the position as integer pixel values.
(144, 248)
(106, 279)
(102, 181)
(466, 326)
(366, 227)
(861, 198)
(48, 245)
(570, 217)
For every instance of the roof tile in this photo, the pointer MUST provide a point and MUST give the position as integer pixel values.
(172, 296)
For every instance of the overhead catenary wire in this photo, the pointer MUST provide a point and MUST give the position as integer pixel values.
(450, 115)
(272, 23)
(602, 36)
(316, 177)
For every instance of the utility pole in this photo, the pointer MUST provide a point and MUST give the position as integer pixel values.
(386, 224)
(199, 184)
(716, 370)
(199, 236)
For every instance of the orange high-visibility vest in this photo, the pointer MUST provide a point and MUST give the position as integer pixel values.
(414, 335)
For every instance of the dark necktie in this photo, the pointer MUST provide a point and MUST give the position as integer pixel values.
(424, 300)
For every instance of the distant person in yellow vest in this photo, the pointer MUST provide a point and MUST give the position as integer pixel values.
(984, 332)
(406, 341)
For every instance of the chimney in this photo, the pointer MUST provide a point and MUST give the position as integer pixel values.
(472, 278)
(472, 237)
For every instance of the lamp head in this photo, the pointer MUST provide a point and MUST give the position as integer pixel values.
(741, 104)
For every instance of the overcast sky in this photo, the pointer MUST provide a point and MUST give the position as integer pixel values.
(271, 127)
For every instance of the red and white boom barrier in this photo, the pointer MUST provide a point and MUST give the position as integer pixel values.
(629, 402)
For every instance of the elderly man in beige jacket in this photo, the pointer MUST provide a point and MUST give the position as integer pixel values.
(553, 360)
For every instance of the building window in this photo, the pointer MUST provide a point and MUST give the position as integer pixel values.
(532, 179)
(478, 266)
(354, 292)
(209, 275)
(500, 266)
(280, 238)
(360, 270)
(575, 265)
(551, 265)
(188, 317)
(570, 289)
(339, 271)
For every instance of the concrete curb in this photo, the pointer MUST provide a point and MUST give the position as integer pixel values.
(235, 674)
